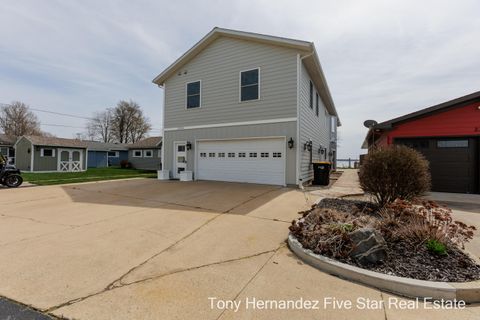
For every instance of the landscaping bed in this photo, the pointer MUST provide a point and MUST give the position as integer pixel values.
(413, 239)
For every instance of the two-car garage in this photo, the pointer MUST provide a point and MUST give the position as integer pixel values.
(260, 160)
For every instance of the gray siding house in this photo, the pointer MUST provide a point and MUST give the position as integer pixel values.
(49, 154)
(6, 147)
(246, 107)
(146, 154)
(105, 154)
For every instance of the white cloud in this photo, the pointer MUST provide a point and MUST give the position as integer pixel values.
(382, 58)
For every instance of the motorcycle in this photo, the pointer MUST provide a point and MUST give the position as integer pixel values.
(10, 176)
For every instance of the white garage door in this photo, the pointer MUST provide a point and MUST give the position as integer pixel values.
(253, 160)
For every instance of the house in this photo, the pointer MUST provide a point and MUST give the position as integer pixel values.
(247, 107)
(6, 147)
(47, 154)
(146, 154)
(447, 134)
(105, 154)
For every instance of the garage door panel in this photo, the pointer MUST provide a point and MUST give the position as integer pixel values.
(221, 161)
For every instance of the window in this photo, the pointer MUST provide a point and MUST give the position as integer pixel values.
(452, 143)
(137, 153)
(241, 154)
(249, 85)
(113, 154)
(316, 104)
(265, 154)
(253, 154)
(311, 95)
(44, 152)
(221, 154)
(148, 153)
(277, 154)
(231, 154)
(181, 148)
(203, 154)
(193, 94)
(211, 155)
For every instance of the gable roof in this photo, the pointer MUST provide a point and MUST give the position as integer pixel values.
(55, 142)
(458, 102)
(152, 142)
(444, 106)
(6, 140)
(105, 146)
(309, 57)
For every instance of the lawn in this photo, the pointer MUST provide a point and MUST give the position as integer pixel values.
(92, 174)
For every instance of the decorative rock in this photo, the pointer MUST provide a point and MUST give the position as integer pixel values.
(369, 247)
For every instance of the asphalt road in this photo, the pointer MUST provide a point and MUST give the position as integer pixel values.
(10, 310)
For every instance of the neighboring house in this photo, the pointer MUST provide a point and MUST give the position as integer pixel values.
(146, 154)
(102, 155)
(47, 154)
(6, 147)
(447, 134)
(247, 107)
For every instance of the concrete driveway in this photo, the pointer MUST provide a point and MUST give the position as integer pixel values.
(146, 249)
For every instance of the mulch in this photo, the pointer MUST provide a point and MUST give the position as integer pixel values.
(404, 259)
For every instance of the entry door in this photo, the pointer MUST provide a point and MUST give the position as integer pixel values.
(180, 158)
(70, 160)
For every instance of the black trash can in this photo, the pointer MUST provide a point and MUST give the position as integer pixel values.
(321, 173)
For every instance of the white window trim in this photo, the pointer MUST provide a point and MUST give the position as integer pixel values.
(186, 95)
(133, 153)
(145, 153)
(117, 154)
(53, 152)
(240, 85)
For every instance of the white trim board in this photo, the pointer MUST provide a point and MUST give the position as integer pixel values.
(232, 124)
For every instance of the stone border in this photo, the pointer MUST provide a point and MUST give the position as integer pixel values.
(412, 288)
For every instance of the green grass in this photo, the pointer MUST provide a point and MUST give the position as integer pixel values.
(93, 174)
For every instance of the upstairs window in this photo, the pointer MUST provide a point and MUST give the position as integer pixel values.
(148, 153)
(311, 95)
(316, 104)
(193, 94)
(249, 85)
(137, 153)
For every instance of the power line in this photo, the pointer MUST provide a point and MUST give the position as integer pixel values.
(66, 115)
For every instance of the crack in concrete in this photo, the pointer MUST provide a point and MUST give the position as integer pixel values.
(38, 221)
(252, 278)
(117, 283)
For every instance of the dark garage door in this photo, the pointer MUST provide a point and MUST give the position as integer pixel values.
(453, 162)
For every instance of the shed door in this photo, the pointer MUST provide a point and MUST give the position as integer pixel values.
(246, 160)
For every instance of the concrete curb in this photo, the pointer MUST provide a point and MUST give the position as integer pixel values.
(412, 288)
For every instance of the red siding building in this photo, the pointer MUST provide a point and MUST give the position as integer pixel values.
(448, 135)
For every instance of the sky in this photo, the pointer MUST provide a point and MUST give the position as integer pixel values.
(381, 58)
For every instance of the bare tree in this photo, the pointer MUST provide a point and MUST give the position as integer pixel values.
(128, 122)
(16, 120)
(100, 126)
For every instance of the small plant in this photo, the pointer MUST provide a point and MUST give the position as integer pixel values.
(436, 247)
(396, 172)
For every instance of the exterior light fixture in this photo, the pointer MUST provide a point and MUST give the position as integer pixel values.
(291, 143)
(308, 145)
(189, 145)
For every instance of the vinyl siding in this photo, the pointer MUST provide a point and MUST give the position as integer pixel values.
(51, 163)
(153, 163)
(218, 67)
(287, 130)
(312, 127)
